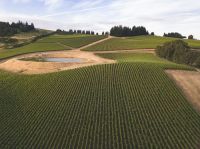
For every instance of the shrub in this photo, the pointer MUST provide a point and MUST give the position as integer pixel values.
(174, 35)
(197, 62)
(191, 57)
(191, 37)
(178, 51)
(174, 51)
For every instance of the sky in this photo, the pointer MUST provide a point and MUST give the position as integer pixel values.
(157, 16)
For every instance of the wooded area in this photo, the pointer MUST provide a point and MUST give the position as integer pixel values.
(121, 31)
(7, 29)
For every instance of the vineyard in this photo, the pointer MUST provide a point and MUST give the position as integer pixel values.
(74, 41)
(138, 42)
(131, 104)
(52, 43)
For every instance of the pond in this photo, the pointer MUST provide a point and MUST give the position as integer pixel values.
(52, 59)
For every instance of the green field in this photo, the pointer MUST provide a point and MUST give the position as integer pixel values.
(31, 48)
(131, 104)
(137, 42)
(52, 43)
(74, 41)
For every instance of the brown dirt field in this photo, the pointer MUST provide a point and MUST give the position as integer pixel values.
(30, 67)
(189, 82)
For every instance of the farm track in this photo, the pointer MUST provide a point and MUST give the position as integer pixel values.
(94, 43)
(65, 45)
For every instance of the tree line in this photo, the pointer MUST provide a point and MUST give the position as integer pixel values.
(7, 29)
(174, 35)
(84, 32)
(124, 31)
(179, 51)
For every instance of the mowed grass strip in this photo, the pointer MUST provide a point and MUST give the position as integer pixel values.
(124, 105)
(137, 42)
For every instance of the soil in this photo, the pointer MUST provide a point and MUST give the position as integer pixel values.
(89, 58)
(29, 67)
(189, 82)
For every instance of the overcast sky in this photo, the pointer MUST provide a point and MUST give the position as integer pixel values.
(158, 16)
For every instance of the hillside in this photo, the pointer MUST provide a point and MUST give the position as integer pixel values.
(137, 42)
(98, 107)
(21, 39)
(52, 43)
(129, 102)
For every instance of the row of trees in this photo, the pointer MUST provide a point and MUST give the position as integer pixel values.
(178, 51)
(121, 31)
(174, 35)
(7, 29)
(71, 32)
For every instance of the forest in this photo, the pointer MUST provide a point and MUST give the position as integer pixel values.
(9, 29)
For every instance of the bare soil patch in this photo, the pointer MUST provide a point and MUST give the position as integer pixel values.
(89, 58)
(30, 67)
(189, 82)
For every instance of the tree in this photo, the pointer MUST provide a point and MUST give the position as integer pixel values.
(103, 33)
(79, 31)
(83, 32)
(152, 34)
(197, 62)
(92, 32)
(88, 32)
(106, 33)
(71, 31)
(7, 29)
(190, 37)
(121, 31)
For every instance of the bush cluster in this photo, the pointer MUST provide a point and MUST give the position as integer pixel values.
(178, 51)
(174, 35)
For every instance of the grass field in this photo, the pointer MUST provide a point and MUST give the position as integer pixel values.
(31, 48)
(52, 43)
(131, 104)
(138, 42)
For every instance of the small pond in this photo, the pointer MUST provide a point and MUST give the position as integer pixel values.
(51, 59)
